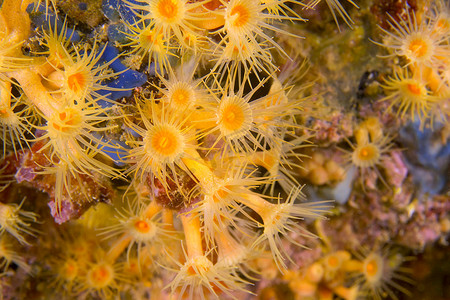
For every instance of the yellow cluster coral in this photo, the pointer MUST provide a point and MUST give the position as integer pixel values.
(208, 150)
(193, 146)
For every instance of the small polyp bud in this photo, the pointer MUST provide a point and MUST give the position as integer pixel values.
(335, 172)
(307, 167)
(362, 136)
(335, 260)
(100, 276)
(318, 176)
(314, 273)
(303, 288)
(55, 80)
(267, 267)
(374, 127)
(318, 158)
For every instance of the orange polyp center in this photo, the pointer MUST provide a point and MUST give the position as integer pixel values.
(235, 50)
(220, 195)
(332, 261)
(132, 267)
(76, 81)
(164, 142)
(372, 268)
(276, 219)
(101, 276)
(273, 100)
(168, 9)
(70, 270)
(443, 24)
(66, 120)
(202, 265)
(149, 36)
(191, 271)
(414, 89)
(241, 15)
(418, 47)
(269, 161)
(367, 153)
(4, 113)
(142, 226)
(233, 117)
(180, 97)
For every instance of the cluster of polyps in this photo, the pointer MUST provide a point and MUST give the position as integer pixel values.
(422, 87)
(194, 147)
(194, 150)
(60, 93)
(370, 274)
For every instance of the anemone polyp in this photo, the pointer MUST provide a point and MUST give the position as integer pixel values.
(100, 276)
(77, 81)
(142, 229)
(169, 10)
(415, 42)
(373, 268)
(380, 274)
(239, 16)
(69, 270)
(14, 221)
(181, 95)
(66, 122)
(409, 94)
(367, 155)
(234, 117)
(418, 47)
(171, 18)
(164, 141)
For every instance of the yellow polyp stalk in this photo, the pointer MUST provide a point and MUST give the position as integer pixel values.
(202, 119)
(55, 79)
(211, 19)
(32, 86)
(118, 247)
(352, 266)
(258, 204)
(435, 82)
(200, 170)
(15, 22)
(346, 293)
(152, 209)
(167, 220)
(265, 159)
(362, 136)
(228, 247)
(5, 94)
(192, 235)
(225, 242)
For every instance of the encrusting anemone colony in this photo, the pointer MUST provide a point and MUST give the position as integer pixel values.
(175, 149)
